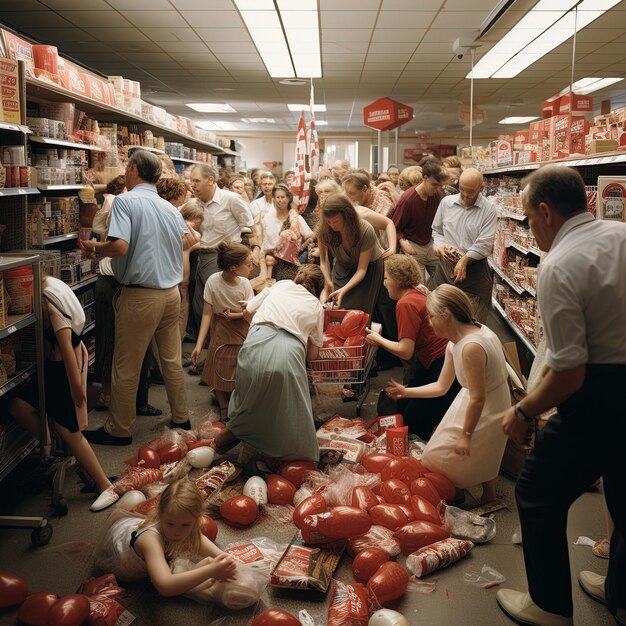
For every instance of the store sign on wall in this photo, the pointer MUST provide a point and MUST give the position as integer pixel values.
(386, 114)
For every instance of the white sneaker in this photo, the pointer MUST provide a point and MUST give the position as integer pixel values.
(105, 500)
(593, 585)
(521, 609)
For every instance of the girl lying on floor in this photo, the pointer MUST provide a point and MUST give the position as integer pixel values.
(134, 548)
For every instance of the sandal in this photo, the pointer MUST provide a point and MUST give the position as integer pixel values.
(602, 548)
(103, 402)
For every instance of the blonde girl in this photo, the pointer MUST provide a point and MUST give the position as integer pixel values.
(223, 319)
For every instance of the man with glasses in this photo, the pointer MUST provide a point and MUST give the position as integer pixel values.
(463, 231)
(414, 216)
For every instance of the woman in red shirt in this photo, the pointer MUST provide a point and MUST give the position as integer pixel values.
(422, 352)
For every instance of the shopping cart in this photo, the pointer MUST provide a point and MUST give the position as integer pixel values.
(345, 365)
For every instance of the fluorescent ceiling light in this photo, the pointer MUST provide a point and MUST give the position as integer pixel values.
(296, 55)
(321, 123)
(549, 24)
(208, 107)
(216, 125)
(258, 120)
(306, 107)
(517, 120)
(593, 84)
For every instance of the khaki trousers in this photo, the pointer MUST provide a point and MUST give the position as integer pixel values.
(426, 259)
(141, 314)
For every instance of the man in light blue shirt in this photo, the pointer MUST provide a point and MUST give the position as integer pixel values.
(463, 232)
(145, 240)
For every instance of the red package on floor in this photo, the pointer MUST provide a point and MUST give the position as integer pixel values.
(104, 610)
(349, 605)
(383, 422)
(398, 440)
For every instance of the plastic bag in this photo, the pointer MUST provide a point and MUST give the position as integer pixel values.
(136, 478)
(345, 479)
(375, 537)
(281, 513)
(487, 577)
(212, 481)
(104, 610)
(353, 428)
(209, 429)
(302, 494)
(421, 586)
(350, 605)
(241, 593)
(437, 556)
(465, 525)
(258, 553)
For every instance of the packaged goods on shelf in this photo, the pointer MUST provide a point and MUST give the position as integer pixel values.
(19, 49)
(575, 104)
(46, 59)
(10, 109)
(592, 198)
(550, 107)
(3, 303)
(568, 136)
(48, 128)
(611, 198)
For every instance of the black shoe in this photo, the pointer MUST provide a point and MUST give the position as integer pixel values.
(155, 378)
(184, 426)
(149, 410)
(102, 437)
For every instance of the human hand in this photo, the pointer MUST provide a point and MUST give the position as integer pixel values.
(459, 273)
(78, 395)
(87, 246)
(223, 567)
(513, 427)
(387, 253)
(195, 355)
(395, 390)
(337, 297)
(243, 304)
(255, 256)
(406, 247)
(371, 336)
(462, 446)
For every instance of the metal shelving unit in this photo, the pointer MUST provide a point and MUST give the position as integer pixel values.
(62, 143)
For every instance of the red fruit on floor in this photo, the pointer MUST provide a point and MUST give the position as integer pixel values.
(147, 457)
(208, 527)
(443, 485)
(275, 617)
(171, 453)
(417, 534)
(279, 490)
(296, 471)
(70, 610)
(402, 468)
(423, 487)
(424, 510)
(309, 506)
(34, 610)
(374, 463)
(239, 511)
(389, 582)
(13, 589)
(341, 522)
(395, 491)
(367, 562)
(408, 511)
(364, 498)
(389, 516)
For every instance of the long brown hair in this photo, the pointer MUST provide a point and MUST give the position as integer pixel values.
(339, 204)
(311, 278)
(456, 301)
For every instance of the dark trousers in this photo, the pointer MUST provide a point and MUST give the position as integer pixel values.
(583, 442)
(206, 266)
(422, 415)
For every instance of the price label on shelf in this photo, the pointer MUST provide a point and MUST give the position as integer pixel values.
(11, 329)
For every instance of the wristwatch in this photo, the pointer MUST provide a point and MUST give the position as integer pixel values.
(521, 415)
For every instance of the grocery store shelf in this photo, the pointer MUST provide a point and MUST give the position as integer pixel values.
(517, 288)
(512, 216)
(181, 160)
(38, 91)
(43, 187)
(59, 238)
(84, 283)
(18, 128)
(155, 150)
(529, 346)
(18, 444)
(18, 191)
(17, 322)
(63, 143)
(605, 158)
(517, 247)
(17, 379)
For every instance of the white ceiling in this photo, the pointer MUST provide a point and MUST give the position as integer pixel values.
(200, 51)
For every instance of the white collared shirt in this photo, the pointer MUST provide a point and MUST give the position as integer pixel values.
(470, 229)
(259, 208)
(224, 217)
(581, 288)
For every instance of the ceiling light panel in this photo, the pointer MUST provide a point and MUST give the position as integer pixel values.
(517, 120)
(209, 107)
(306, 107)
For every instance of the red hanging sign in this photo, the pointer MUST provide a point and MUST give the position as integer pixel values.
(386, 114)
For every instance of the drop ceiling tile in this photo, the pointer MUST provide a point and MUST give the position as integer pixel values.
(464, 5)
(247, 67)
(227, 58)
(348, 5)
(392, 48)
(155, 19)
(74, 5)
(194, 5)
(59, 35)
(399, 35)
(389, 59)
(223, 34)
(25, 20)
(170, 34)
(184, 46)
(10, 6)
(95, 19)
(234, 47)
(459, 19)
(116, 34)
(140, 5)
(339, 35)
(405, 19)
(334, 59)
(213, 19)
(348, 19)
(412, 5)
(71, 47)
(330, 48)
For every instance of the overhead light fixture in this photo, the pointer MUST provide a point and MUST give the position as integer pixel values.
(287, 39)
(518, 120)
(321, 123)
(217, 125)
(258, 120)
(306, 107)
(209, 107)
(547, 25)
(589, 84)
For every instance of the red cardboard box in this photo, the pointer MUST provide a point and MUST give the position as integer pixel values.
(521, 137)
(550, 108)
(18, 49)
(545, 143)
(568, 135)
(575, 104)
(535, 132)
(46, 63)
(10, 110)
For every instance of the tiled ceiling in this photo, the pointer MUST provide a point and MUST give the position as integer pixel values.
(200, 51)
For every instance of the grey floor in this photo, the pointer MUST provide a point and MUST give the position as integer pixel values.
(66, 561)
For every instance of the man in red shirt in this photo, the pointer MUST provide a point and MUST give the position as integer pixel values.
(414, 216)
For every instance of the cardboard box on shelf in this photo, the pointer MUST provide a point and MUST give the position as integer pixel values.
(534, 132)
(594, 146)
(550, 108)
(575, 104)
(568, 136)
(10, 111)
(528, 155)
(618, 133)
(521, 138)
(545, 142)
(19, 49)
(502, 153)
(611, 202)
(46, 60)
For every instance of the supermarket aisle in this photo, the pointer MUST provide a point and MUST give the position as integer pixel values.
(63, 564)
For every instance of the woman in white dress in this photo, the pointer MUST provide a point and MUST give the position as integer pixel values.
(468, 444)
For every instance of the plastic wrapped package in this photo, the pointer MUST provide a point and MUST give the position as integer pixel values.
(466, 525)
(136, 478)
(213, 480)
(437, 556)
(259, 553)
(337, 425)
(375, 537)
(343, 482)
(104, 609)
(350, 605)
(241, 593)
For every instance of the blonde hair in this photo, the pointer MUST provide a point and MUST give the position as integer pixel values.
(328, 184)
(182, 496)
(410, 176)
(192, 210)
(405, 270)
(456, 301)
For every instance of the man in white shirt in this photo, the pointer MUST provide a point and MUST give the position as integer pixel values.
(581, 291)
(463, 232)
(225, 215)
(265, 203)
